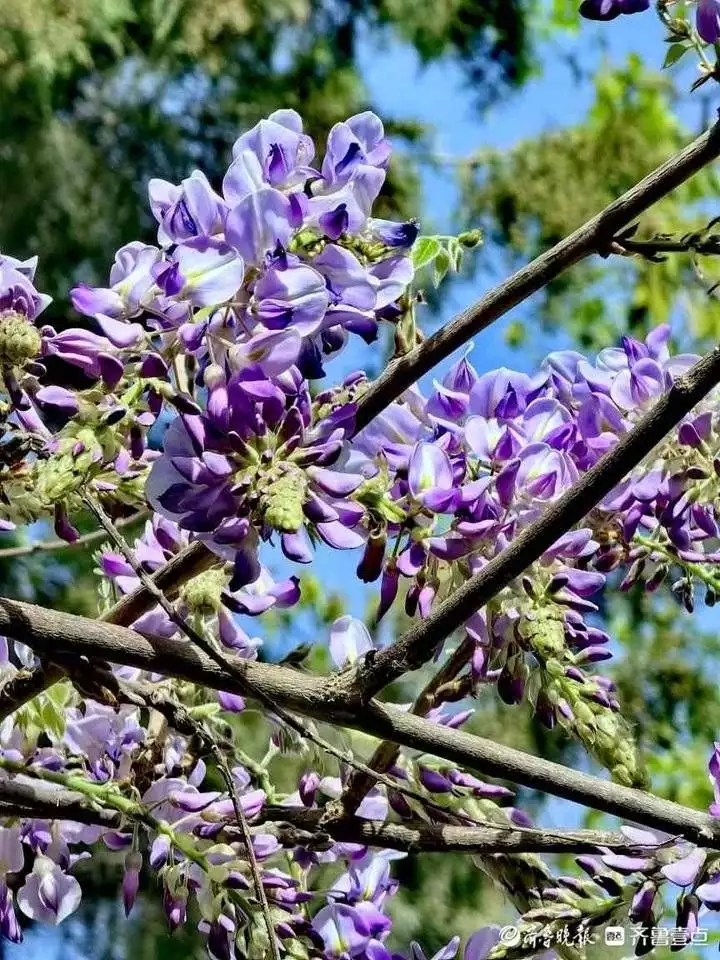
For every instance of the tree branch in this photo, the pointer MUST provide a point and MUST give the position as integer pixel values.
(26, 685)
(594, 236)
(417, 645)
(55, 546)
(656, 247)
(33, 799)
(435, 838)
(37, 799)
(47, 630)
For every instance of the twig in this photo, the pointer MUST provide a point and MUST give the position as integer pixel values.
(49, 630)
(593, 236)
(86, 540)
(655, 247)
(34, 799)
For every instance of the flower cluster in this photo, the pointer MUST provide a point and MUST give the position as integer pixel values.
(279, 269)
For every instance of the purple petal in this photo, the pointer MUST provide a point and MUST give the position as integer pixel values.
(349, 639)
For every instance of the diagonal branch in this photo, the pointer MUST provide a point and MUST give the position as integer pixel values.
(46, 631)
(594, 236)
(417, 645)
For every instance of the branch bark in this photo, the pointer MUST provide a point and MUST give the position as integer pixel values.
(434, 838)
(47, 630)
(594, 236)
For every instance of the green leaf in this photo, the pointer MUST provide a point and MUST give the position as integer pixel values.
(441, 266)
(424, 251)
(675, 52)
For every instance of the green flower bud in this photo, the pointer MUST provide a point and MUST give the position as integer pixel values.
(203, 593)
(545, 634)
(19, 339)
(470, 239)
(285, 498)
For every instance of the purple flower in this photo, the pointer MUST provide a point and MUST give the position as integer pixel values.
(501, 393)
(642, 382)
(609, 9)
(277, 149)
(131, 880)
(359, 141)
(714, 771)
(394, 234)
(481, 943)
(12, 858)
(709, 892)
(206, 272)
(17, 291)
(9, 926)
(49, 895)
(259, 224)
(131, 284)
(175, 908)
(291, 296)
(191, 210)
(444, 953)
(349, 640)
(708, 20)
(683, 872)
(343, 929)
(430, 478)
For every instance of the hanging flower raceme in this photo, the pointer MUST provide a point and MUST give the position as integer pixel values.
(481, 458)
(254, 464)
(289, 254)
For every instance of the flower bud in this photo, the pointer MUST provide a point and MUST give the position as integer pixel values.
(19, 339)
(131, 880)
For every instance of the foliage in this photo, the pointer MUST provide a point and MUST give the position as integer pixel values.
(532, 196)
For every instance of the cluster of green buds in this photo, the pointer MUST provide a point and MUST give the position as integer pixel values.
(560, 688)
(20, 340)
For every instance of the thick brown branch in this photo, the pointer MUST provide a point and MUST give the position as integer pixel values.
(47, 630)
(188, 563)
(42, 800)
(418, 644)
(434, 838)
(594, 236)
